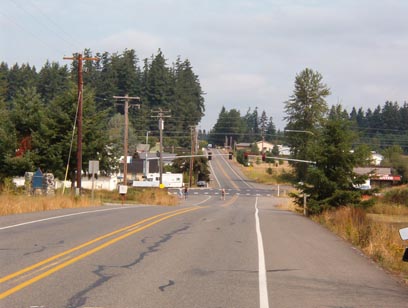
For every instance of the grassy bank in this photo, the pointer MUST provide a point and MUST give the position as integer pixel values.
(374, 229)
(11, 203)
(375, 236)
(269, 174)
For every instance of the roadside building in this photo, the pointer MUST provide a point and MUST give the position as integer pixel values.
(264, 146)
(378, 177)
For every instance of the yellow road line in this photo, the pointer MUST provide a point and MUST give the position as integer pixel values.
(227, 176)
(88, 253)
(29, 268)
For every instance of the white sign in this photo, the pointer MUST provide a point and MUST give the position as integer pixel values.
(123, 189)
(93, 166)
(404, 233)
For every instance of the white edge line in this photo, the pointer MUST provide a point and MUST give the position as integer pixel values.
(203, 201)
(61, 216)
(263, 282)
(212, 171)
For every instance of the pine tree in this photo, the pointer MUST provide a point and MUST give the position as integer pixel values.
(306, 111)
(271, 131)
(52, 80)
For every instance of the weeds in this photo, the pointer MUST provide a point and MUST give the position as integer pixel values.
(17, 204)
(378, 240)
(10, 203)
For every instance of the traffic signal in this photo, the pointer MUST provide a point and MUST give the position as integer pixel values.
(230, 155)
(263, 156)
(209, 155)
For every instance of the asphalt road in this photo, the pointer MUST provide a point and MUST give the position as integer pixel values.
(207, 252)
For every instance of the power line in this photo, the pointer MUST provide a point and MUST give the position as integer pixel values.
(41, 23)
(160, 114)
(79, 58)
(126, 100)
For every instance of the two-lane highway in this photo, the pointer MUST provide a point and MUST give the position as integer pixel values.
(206, 252)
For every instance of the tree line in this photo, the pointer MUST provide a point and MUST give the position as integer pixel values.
(38, 108)
(250, 127)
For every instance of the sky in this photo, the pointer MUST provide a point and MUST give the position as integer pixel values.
(246, 53)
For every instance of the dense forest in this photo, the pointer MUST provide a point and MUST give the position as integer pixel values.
(38, 108)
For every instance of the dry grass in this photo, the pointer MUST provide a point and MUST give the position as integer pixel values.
(11, 203)
(287, 204)
(152, 196)
(379, 240)
(388, 209)
(258, 173)
(157, 196)
(17, 204)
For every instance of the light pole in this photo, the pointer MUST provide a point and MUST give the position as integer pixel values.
(146, 153)
(147, 136)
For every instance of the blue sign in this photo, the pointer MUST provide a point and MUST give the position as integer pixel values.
(38, 179)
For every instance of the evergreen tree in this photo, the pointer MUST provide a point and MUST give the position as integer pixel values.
(361, 119)
(390, 116)
(3, 80)
(229, 123)
(159, 92)
(52, 80)
(8, 141)
(330, 183)
(306, 112)
(19, 78)
(270, 131)
(263, 124)
(188, 104)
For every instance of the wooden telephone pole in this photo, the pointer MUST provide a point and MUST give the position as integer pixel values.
(126, 98)
(161, 114)
(193, 139)
(80, 59)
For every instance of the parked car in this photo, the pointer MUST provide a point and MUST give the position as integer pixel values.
(202, 184)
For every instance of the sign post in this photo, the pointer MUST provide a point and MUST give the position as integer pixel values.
(123, 191)
(93, 169)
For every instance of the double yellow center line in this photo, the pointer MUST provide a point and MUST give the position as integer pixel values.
(129, 230)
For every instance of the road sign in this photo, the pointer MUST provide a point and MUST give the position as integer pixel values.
(93, 166)
(123, 189)
(404, 234)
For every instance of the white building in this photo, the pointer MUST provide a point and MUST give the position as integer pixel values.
(267, 146)
(284, 150)
(376, 158)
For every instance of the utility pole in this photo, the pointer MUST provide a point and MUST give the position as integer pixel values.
(126, 99)
(192, 131)
(80, 59)
(161, 114)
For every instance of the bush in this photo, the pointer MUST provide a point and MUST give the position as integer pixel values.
(397, 196)
(269, 171)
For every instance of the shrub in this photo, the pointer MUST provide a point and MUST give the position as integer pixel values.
(397, 196)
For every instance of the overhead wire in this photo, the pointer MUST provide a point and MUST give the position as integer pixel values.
(11, 18)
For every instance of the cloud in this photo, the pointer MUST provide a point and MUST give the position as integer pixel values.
(144, 43)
